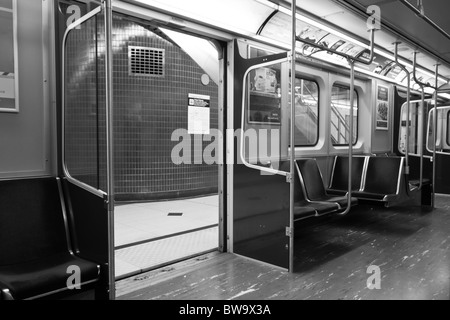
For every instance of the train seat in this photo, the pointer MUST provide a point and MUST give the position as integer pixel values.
(382, 179)
(313, 186)
(339, 175)
(416, 182)
(35, 260)
(302, 207)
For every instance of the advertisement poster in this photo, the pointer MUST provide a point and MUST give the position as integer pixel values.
(198, 114)
(265, 98)
(382, 108)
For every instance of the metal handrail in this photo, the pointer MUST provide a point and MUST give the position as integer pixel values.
(292, 138)
(109, 141)
(283, 58)
(408, 107)
(344, 55)
(65, 169)
(422, 87)
(435, 134)
(436, 89)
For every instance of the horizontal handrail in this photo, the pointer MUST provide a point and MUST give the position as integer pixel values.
(344, 55)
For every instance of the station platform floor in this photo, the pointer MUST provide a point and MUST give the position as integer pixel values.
(152, 234)
(332, 260)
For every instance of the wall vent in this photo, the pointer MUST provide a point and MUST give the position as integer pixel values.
(146, 61)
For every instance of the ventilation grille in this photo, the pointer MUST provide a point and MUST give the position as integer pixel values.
(146, 61)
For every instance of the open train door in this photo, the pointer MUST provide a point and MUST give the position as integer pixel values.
(85, 157)
(438, 147)
(257, 156)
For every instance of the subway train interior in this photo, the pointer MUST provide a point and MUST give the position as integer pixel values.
(224, 150)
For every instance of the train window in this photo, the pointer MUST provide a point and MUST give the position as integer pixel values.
(415, 128)
(306, 112)
(340, 115)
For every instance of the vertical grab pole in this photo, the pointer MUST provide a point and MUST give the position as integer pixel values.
(109, 144)
(408, 108)
(435, 134)
(350, 140)
(292, 138)
(350, 143)
(422, 86)
(422, 139)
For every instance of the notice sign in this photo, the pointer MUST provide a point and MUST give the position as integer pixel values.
(7, 85)
(198, 114)
(382, 109)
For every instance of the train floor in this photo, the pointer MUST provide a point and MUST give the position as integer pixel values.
(152, 234)
(333, 261)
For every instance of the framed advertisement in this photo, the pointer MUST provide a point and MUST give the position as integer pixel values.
(8, 57)
(382, 108)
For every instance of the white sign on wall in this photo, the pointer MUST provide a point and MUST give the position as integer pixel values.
(198, 114)
(6, 85)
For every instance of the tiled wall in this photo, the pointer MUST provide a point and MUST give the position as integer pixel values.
(146, 112)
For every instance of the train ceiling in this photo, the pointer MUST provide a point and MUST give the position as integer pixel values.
(339, 24)
(399, 23)
(400, 17)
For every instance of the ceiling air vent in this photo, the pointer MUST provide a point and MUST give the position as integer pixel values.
(146, 61)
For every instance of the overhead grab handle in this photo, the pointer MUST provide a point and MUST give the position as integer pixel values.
(420, 83)
(344, 55)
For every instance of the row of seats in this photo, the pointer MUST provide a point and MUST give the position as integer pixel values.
(378, 179)
(36, 259)
(373, 178)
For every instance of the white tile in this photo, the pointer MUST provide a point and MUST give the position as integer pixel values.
(157, 252)
(123, 268)
(142, 221)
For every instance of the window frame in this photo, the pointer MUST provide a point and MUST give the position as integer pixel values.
(15, 80)
(297, 76)
(357, 115)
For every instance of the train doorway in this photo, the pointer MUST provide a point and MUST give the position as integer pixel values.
(166, 142)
